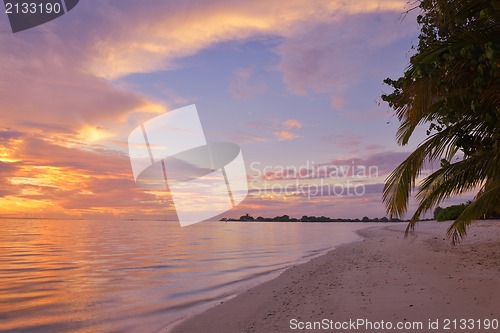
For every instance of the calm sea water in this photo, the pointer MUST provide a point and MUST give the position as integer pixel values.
(133, 276)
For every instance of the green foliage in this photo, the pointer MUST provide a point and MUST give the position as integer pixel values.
(451, 84)
(436, 212)
(451, 213)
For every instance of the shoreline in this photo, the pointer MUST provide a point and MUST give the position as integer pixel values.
(381, 277)
(256, 282)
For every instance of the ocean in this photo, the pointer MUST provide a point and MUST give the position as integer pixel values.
(140, 276)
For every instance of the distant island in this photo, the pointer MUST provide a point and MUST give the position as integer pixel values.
(440, 214)
(305, 218)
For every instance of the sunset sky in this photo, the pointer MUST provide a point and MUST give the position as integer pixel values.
(294, 83)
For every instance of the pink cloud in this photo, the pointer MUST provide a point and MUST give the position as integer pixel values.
(61, 71)
(329, 57)
(374, 147)
(385, 162)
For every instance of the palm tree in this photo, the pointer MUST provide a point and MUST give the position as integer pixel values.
(451, 83)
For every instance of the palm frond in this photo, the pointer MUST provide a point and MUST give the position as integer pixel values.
(456, 178)
(401, 181)
(486, 200)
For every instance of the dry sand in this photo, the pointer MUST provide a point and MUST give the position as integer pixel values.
(383, 277)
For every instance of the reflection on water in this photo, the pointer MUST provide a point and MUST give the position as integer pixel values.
(133, 276)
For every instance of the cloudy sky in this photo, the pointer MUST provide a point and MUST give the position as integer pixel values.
(295, 83)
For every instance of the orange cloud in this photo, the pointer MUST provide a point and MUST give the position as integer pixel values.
(39, 178)
(292, 123)
(63, 71)
(159, 33)
(284, 135)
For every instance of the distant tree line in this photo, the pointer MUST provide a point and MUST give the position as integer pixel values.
(440, 214)
(285, 218)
